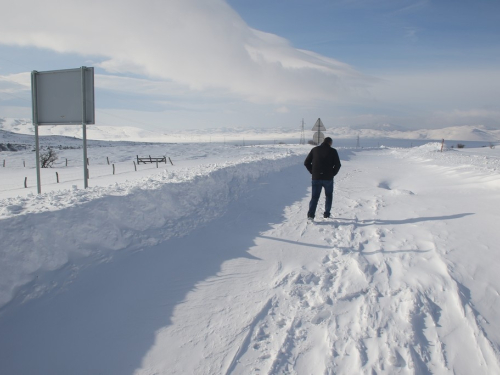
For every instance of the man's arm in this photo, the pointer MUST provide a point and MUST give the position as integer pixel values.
(336, 163)
(308, 162)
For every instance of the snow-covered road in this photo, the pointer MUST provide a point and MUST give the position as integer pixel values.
(403, 280)
(385, 287)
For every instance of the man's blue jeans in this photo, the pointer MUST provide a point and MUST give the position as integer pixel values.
(317, 185)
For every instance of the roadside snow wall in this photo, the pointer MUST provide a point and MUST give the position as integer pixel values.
(43, 233)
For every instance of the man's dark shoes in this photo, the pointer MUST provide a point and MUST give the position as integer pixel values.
(326, 216)
(310, 218)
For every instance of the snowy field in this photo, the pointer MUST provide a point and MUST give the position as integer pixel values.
(208, 266)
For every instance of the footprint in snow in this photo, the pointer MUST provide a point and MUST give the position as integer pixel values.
(321, 317)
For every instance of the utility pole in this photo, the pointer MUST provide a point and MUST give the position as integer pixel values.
(302, 135)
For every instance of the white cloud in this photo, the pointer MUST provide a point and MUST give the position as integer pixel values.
(138, 85)
(202, 44)
(406, 8)
(411, 33)
(474, 116)
(440, 90)
(15, 87)
(20, 79)
(196, 59)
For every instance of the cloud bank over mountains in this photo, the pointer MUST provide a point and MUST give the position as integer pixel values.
(202, 44)
(197, 63)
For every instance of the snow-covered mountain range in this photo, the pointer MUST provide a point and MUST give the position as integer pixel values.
(127, 133)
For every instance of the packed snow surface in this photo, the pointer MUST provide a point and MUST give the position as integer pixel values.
(208, 266)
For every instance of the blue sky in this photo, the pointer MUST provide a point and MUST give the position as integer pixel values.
(375, 36)
(184, 64)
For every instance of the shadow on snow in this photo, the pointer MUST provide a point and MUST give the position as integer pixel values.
(368, 222)
(106, 319)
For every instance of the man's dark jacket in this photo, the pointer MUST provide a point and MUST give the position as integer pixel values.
(323, 162)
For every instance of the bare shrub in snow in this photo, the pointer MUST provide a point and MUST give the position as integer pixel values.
(47, 158)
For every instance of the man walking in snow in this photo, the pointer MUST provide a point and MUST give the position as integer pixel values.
(323, 163)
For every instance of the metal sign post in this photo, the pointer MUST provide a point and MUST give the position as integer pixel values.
(35, 124)
(63, 97)
(84, 128)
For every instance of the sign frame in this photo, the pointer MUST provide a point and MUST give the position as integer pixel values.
(63, 97)
(58, 96)
(318, 136)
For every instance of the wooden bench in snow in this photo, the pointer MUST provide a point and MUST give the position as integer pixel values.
(149, 159)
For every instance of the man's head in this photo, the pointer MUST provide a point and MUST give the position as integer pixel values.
(328, 141)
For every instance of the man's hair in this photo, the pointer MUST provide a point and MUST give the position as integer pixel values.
(328, 140)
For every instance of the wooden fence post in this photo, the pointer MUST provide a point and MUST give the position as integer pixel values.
(113, 169)
(135, 166)
(170, 160)
(107, 158)
(25, 182)
(57, 177)
(66, 162)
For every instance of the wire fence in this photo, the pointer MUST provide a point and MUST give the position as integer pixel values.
(18, 173)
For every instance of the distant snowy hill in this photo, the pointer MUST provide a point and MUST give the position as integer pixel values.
(381, 127)
(104, 133)
(127, 133)
(467, 133)
(457, 133)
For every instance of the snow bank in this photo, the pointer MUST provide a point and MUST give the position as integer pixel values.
(42, 233)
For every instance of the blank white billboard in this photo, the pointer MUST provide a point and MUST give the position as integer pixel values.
(57, 97)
